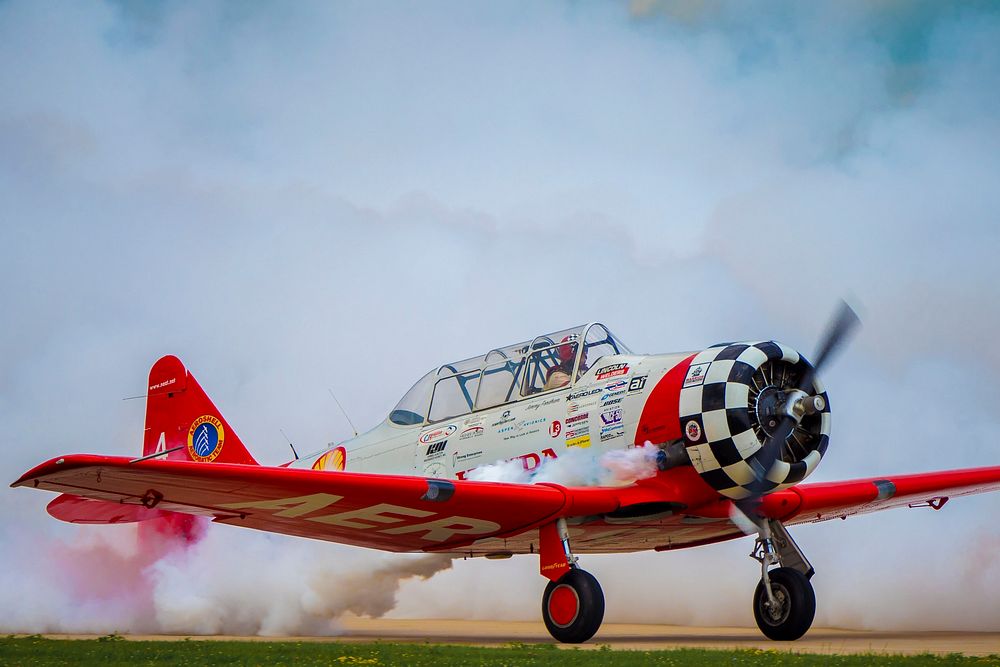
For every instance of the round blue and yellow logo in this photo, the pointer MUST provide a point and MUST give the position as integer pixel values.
(205, 438)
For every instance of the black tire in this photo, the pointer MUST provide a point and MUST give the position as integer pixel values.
(797, 605)
(564, 622)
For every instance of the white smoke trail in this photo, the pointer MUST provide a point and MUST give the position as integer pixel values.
(231, 582)
(578, 467)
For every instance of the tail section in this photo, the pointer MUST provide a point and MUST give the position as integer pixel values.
(180, 416)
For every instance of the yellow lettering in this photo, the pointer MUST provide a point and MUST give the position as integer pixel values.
(290, 507)
(375, 514)
(443, 529)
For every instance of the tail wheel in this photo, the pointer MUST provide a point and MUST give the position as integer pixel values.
(795, 607)
(573, 607)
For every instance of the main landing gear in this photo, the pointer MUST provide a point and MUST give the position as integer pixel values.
(784, 603)
(573, 603)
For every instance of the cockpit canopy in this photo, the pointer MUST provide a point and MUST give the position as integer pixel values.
(506, 374)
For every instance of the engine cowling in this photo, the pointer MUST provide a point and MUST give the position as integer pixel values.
(729, 404)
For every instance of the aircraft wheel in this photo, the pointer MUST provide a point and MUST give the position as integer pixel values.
(793, 615)
(573, 607)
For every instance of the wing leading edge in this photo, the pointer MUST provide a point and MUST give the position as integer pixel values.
(822, 501)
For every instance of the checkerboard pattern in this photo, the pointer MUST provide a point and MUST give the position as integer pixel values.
(715, 418)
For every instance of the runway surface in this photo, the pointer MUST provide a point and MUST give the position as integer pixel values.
(644, 637)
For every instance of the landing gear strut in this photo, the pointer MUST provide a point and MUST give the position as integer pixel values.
(573, 602)
(784, 603)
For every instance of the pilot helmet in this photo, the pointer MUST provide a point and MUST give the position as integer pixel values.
(567, 350)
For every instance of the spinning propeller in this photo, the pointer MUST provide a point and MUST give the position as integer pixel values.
(798, 403)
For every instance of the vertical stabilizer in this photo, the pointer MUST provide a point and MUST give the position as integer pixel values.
(179, 414)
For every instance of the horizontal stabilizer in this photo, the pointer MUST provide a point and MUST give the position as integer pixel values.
(76, 509)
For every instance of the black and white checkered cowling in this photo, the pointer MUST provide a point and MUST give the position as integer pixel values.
(722, 446)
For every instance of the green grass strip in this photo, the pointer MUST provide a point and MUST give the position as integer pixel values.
(114, 650)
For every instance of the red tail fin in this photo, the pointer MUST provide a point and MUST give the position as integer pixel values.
(180, 414)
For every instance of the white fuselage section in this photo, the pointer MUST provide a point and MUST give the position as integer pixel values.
(599, 412)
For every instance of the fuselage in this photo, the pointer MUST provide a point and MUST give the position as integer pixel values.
(599, 412)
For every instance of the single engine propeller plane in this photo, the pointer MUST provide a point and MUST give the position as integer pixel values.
(735, 429)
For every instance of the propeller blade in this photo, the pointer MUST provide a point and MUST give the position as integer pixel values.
(837, 333)
(769, 453)
(742, 514)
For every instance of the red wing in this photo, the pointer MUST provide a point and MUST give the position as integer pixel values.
(393, 513)
(807, 503)
(396, 513)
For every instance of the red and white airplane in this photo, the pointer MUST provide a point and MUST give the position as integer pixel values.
(732, 431)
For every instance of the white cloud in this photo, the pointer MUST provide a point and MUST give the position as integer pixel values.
(301, 197)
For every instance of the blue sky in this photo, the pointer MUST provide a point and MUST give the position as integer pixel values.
(299, 196)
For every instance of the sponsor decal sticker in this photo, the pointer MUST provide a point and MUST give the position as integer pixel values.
(613, 401)
(611, 435)
(582, 441)
(471, 432)
(529, 461)
(467, 456)
(549, 401)
(335, 459)
(693, 431)
(505, 418)
(555, 428)
(637, 384)
(205, 438)
(583, 393)
(611, 416)
(521, 434)
(696, 375)
(433, 435)
(611, 371)
(436, 448)
(575, 419)
(615, 386)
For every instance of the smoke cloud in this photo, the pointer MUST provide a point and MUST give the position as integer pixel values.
(309, 197)
(121, 579)
(578, 467)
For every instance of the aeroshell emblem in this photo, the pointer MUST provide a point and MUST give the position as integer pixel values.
(205, 438)
(335, 459)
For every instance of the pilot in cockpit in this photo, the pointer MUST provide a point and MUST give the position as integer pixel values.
(560, 374)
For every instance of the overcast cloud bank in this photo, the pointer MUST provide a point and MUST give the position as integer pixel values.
(300, 197)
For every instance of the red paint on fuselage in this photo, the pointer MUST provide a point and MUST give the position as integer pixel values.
(660, 420)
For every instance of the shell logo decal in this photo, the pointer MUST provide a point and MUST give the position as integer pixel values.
(205, 438)
(335, 459)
